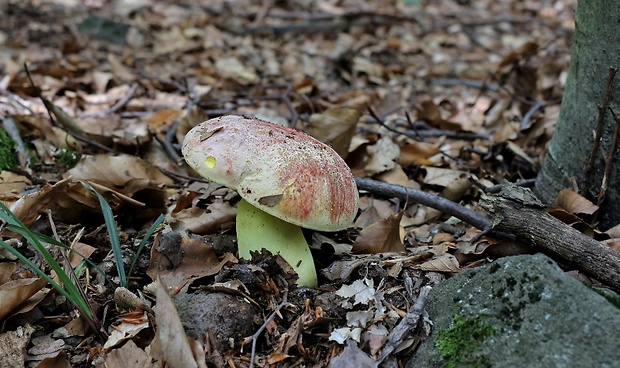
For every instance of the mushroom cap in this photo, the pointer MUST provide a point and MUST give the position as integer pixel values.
(279, 170)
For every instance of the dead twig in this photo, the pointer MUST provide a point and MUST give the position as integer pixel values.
(444, 205)
(264, 325)
(117, 106)
(602, 108)
(528, 115)
(609, 159)
(405, 326)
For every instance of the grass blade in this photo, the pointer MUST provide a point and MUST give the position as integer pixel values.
(108, 216)
(148, 234)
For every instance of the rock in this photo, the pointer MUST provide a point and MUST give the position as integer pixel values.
(226, 318)
(520, 311)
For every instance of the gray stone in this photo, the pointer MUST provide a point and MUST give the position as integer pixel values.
(520, 311)
(225, 318)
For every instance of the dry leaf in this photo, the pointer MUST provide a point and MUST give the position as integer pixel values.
(444, 263)
(381, 237)
(383, 156)
(179, 263)
(15, 292)
(117, 170)
(397, 176)
(442, 177)
(129, 356)
(174, 343)
(335, 127)
(575, 203)
(352, 356)
(218, 216)
(417, 153)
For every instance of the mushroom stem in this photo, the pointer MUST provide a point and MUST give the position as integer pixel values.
(257, 229)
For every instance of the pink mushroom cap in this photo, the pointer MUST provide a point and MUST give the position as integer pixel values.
(279, 170)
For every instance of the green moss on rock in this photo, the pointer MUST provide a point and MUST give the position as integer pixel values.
(8, 157)
(458, 343)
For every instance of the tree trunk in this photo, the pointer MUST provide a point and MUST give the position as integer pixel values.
(596, 48)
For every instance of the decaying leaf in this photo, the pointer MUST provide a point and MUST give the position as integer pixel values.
(444, 263)
(178, 263)
(15, 292)
(383, 156)
(575, 203)
(175, 346)
(335, 127)
(417, 153)
(130, 356)
(352, 356)
(381, 237)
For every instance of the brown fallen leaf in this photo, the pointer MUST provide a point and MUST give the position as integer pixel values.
(15, 292)
(178, 262)
(175, 345)
(575, 203)
(117, 170)
(352, 356)
(130, 356)
(59, 361)
(381, 237)
(417, 153)
(444, 263)
(383, 156)
(218, 216)
(335, 127)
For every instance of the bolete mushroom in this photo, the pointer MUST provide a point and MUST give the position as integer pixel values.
(286, 179)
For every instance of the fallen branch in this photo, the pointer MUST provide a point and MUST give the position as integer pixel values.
(409, 194)
(514, 212)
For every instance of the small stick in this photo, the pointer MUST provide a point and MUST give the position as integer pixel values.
(264, 326)
(391, 190)
(117, 106)
(528, 115)
(602, 107)
(405, 326)
(609, 159)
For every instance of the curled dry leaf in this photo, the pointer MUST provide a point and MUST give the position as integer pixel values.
(15, 292)
(117, 170)
(442, 177)
(218, 216)
(383, 155)
(417, 153)
(335, 127)
(352, 356)
(174, 343)
(184, 261)
(444, 263)
(381, 237)
(575, 203)
(130, 356)
(397, 176)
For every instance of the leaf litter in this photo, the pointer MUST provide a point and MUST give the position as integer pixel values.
(427, 95)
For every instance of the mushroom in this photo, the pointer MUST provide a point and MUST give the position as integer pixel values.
(286, 179)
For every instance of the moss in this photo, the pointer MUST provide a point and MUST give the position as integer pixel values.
(611, 297)
(67, 158)
(8, 157)
(459, 343)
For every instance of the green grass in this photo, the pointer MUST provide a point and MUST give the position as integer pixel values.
(68, 285)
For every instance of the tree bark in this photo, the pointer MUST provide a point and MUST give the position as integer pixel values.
(535, 227)
(596, 48)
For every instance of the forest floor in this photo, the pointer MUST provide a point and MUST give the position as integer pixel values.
(442, 96)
